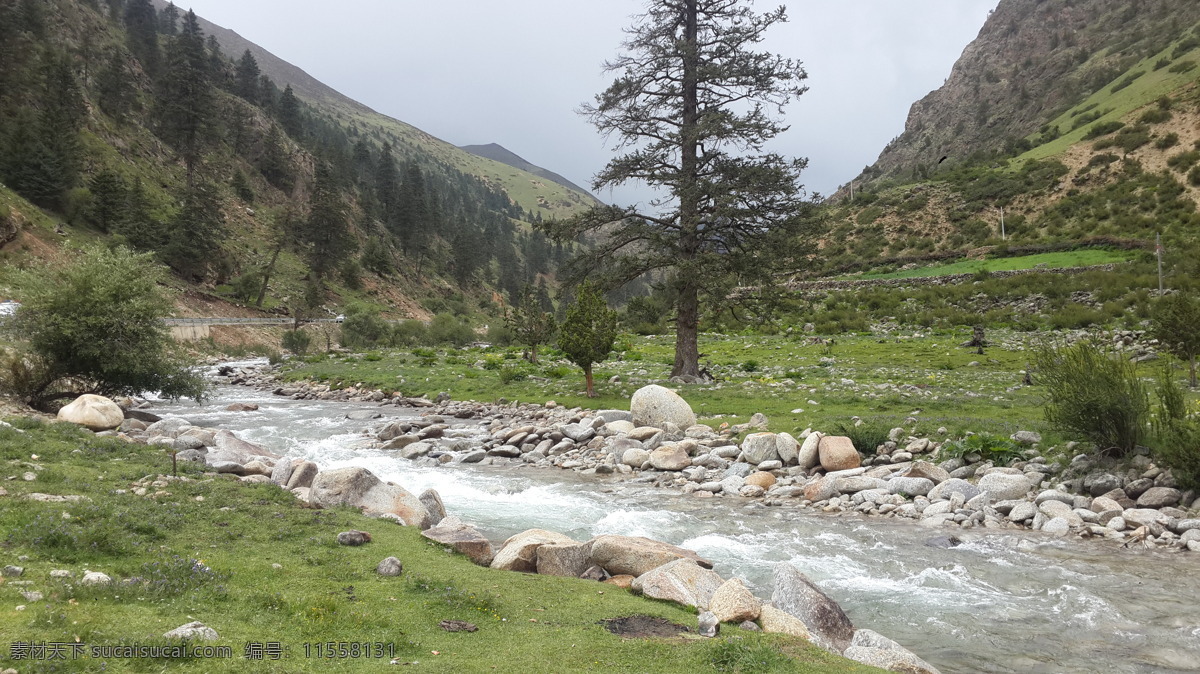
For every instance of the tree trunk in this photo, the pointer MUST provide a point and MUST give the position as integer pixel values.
(687, 353)
(587, 376)
(533, 354)
(687, 323)
(262, 292)
(1192, 371)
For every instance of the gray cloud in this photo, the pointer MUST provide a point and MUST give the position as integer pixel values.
(481, 71)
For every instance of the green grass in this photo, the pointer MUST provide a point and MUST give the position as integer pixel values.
(206, 549)
(1116, 106)
(1062, 260)
(943, 389)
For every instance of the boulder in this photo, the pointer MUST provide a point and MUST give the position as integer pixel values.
(775, 621)
(822, 489)
(928, 471)
(433, 504)
(1159, 497)
(462, 537)
(519, 552)
(302, 475)
(571, 560)
(193, 631)
(655, 405)
(670, 457)
(838, 453)
(229, 447)
(759, 447)
(282, 472)
(955, 486)
(797, 595)
(733, 603)
(170, 427)
(682, 581)
(635, 457)
(876, 650)
(635, 555)
(93, 412)
(788, 449)
(760, 479)
(1004, 487)
(1098, 484)
(360, 488)
(809, 454)
(390, 566)
(910, 486)
(708, 624)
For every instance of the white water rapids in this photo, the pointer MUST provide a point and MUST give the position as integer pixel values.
(1011, 601)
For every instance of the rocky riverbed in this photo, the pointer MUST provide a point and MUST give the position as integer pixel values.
(659, 442)
(965, 595)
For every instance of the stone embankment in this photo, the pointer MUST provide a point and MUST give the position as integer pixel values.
(658, 442)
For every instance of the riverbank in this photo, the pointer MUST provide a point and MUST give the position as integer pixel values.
(267, 574)
(904, 476)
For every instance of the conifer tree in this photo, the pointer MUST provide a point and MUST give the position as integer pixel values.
(109, 196)
(532, 326)
(196, 232)
(587, 333)
(691, 108)
(273, 164)
(141, 30)
(289, 114)
(326, 231)
(246, 78)
(168, 20)
(185, 99)
(114, 85)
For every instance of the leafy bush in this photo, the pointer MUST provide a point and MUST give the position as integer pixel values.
(96, 325)
(1155, 116)
(1168, 141)
(1000, 450)
(364, 327)
(1182, 67)
(512, 373)
(1094, 394)
(1103, 129)
(449, 329)
(409, 333)
(296, 341)
(1177, 433)
(750, 366)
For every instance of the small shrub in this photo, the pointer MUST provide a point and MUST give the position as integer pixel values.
(449, 329)
(1103, 129)
(1168, 141)
(1094, 394)
(296, 341)
(512, 373)
(1182, 67)
(999, 450)
(1127, 80)
(867, 436)
(1155, 116)
(409, 333)
(750, 366)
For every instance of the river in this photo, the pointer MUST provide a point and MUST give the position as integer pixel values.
(1004, 601)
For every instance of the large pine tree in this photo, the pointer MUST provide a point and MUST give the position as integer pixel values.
(692, 106)
(184, 105)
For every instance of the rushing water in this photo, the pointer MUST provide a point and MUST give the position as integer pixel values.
(1002, 602)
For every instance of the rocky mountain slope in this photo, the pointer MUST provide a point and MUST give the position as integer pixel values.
(1033, 60)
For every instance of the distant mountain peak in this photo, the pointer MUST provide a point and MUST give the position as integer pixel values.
(497, 152)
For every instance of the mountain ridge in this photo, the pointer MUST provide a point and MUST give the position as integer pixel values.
(497, 152)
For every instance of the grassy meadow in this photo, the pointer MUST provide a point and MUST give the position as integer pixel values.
(794, 380)
(256, 565)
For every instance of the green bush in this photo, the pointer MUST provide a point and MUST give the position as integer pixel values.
(1094, 394)
(512, 373)
(409, 333)
(1103, 129)
(866, 436)
(1168, 141)
(999, 450)
(363, 327)
(449, 329)
(1176, 433)
(750, 366)
(1155, 116)
(296, 341)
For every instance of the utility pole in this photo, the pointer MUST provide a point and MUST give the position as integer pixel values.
(1003, 234)
(1158, 252)
(851, 191)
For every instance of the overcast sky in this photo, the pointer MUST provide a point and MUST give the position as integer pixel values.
(513, 72)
